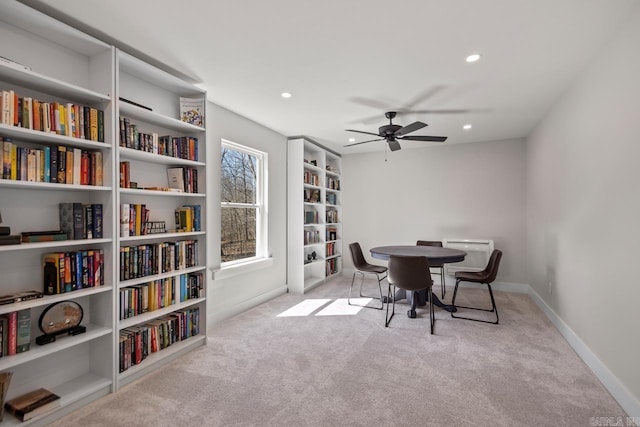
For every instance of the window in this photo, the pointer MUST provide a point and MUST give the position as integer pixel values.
(243, 234)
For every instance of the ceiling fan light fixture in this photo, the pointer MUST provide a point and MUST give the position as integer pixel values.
(473, 57)
(285, 95)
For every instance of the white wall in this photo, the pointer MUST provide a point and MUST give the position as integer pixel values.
(232, 295)
(583, 207)
(448, 191)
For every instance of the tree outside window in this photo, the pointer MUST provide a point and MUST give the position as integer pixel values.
(242, 197)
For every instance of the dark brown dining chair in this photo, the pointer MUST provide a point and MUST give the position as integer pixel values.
(487, 276)
(410, 273)
(362, 268)
(435, 268)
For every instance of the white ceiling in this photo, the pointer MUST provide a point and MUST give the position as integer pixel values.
(346, 62)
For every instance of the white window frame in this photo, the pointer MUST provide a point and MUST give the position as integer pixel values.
(262, 258)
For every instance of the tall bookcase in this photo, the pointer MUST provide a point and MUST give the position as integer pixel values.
(52, 62)
(152, 139)
(63, 66)
(314, 214)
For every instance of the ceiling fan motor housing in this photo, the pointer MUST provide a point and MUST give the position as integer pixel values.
(388, 130)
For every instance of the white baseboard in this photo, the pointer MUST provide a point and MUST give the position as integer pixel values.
(221, 313)
(620, 393)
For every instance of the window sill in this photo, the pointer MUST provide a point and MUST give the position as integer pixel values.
(237, 269)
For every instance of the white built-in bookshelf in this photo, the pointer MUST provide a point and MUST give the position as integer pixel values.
(314, 214)
(180, 288)
(66, 66)
(63, 66)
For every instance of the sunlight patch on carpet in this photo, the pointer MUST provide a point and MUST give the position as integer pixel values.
(341, 307)
(304, 308)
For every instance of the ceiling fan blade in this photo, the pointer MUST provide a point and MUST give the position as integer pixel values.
(443, 111)
(379, 105)
(394, 145)
(425, 138)
(410, 128)
(362, 142)
(423, 96)
(360, 131)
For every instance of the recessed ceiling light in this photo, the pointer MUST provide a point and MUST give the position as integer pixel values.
(467, 126)
(473, 58)
(352, 139)
(285, 95)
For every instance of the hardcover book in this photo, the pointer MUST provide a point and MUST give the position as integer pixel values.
(175, 178)
(32, 404)
(192, 111)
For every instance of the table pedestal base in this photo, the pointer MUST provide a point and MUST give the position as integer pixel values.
(421, 301)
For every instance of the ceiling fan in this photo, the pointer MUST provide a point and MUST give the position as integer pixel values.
(392, 133)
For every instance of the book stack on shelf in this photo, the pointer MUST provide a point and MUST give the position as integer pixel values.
(67, 119)
(33, 404)
(15, 332)
(81, 221)
(57, 164)
(74, 270)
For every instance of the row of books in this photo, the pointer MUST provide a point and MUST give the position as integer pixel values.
(81, 221)
(156, 258)
(15, 332)
(333, 184)
(61, 164)
(311, 236)
(188, 218)
(151, 296)
(311, 217)
(311, 178)
(66, 119)
(137, 343)
(183, 147)
(135, 219)
(183, 179)
(70, 271)
(332, 199)
(332, 216)
(332, 266)
(331, 249)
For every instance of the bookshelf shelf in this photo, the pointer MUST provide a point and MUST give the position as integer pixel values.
(161, 236)
(146, 279)
(50, 85)
(155, 360)
(45, 138)
(71, 392)
(151, 117)
(324, 173)
(50, 299)
(150, 315)
(62, 342)
(8, 183)
(132, 154)
(53, 245)
(143, 192)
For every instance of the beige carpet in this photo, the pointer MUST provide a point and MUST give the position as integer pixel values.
(263, 370)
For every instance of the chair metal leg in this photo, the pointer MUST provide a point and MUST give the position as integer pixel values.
(366, 296)
(432, 314)
(493, 306)
(442, 282)
(390, 297)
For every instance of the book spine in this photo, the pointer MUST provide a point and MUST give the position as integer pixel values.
(96, 210)
(23, 333)
(62, 164)
(78, 221)
(12, 332)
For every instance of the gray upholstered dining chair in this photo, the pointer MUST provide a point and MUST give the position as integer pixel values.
(363, 267)
(410, 273)
(435, 268)
(487, 276)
